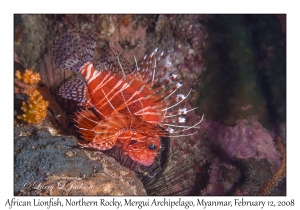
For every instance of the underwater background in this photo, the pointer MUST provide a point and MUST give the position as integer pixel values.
(236, 68)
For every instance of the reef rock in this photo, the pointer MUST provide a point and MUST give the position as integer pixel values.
(53, 165)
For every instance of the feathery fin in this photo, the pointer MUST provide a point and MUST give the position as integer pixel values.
(74, 48)
(113, 60)
(86, 121)
(74, 89)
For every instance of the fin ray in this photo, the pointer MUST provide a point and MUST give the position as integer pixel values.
(74, 89)
(113, 60)
(86, 121)
(74, 48)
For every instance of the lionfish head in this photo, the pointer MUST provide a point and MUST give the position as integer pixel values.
(145, 151)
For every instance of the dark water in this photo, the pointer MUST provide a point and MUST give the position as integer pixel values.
(246, 70)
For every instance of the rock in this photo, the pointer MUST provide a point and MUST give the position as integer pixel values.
(54, 165)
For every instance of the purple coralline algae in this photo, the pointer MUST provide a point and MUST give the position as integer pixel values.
(245, 140)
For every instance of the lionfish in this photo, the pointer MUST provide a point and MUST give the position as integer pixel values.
(122, 104)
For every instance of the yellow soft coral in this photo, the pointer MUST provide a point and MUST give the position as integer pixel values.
(29, 77)
(36, 110)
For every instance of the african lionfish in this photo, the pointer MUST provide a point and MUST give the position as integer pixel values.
(122, 104)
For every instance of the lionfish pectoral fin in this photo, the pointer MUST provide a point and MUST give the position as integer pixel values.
(74, 48)
(103, 143)
(113, 60)
(85, 122)
(74, 89)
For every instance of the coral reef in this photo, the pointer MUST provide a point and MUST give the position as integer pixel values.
(36, 109)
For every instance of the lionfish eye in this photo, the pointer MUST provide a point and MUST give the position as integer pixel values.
(133, 141)
(152, 146)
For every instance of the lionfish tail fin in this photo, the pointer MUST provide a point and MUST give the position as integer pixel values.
(113, 60)
(85, 121)
(74, 48)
